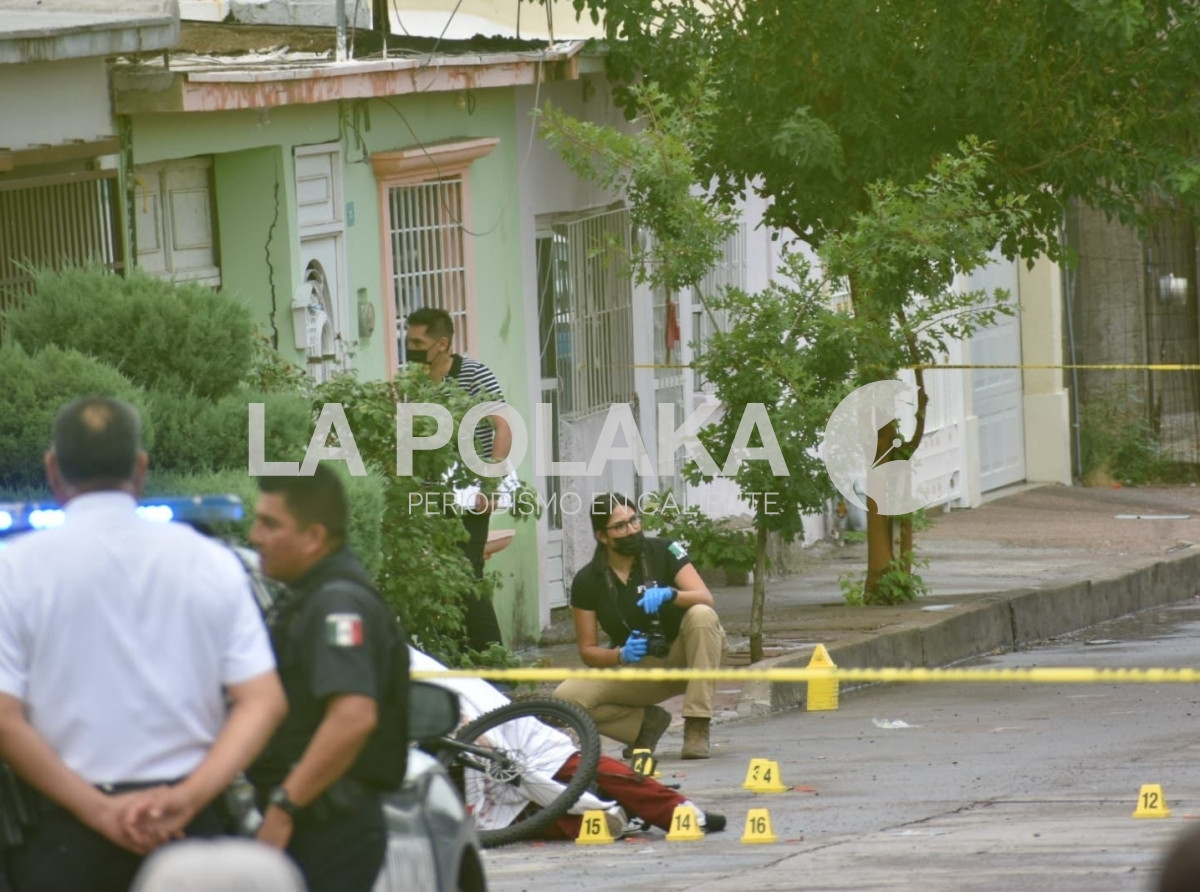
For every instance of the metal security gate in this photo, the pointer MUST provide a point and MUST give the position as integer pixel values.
(53, 220)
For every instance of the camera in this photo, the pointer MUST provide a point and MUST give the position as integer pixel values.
(657, 644)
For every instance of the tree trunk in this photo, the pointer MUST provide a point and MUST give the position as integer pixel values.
(906, 542)
(758, 599)
(879, 526)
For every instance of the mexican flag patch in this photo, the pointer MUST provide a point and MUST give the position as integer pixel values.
(677, 550)
(344, 629)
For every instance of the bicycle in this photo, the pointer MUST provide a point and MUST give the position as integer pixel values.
(507, 759)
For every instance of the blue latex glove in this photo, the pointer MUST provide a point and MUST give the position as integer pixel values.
(634, 648)
(654, 598)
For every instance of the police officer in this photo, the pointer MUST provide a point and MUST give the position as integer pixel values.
(635, 588)
(120, 639)
(345, 669)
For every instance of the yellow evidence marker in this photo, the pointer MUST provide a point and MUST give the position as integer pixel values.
(594, 829)
(823, 693)
(763, 777)
(644, 764)
(685, 825)
(758, 827)
(1152, 803)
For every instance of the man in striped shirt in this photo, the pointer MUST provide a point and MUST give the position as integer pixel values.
(429, 339)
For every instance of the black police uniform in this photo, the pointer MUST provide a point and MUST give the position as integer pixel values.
(337, 637)
(659, 562)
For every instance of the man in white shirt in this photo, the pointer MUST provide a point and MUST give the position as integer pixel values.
(121, 639)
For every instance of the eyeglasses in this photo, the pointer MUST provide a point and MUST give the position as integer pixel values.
(633, 523)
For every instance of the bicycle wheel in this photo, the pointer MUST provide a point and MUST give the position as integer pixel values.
(521, 746)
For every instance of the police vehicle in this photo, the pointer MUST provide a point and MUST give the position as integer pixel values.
(432, 842)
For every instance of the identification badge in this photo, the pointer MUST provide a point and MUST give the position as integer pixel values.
(677, 551)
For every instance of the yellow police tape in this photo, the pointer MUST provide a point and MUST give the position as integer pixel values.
(1095, 367)
(1037, 675)
(1099, 367)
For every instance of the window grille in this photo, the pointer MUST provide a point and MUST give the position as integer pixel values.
(594, 339)
(53, 220)
(428, 262)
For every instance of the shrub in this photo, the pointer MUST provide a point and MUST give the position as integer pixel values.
(35, 388)
(181, 337)
(365, 495)
(195, 435)
(424, 574)
(711, 544)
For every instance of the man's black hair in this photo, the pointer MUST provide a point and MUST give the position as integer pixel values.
(603, 507)
(434, 320)
(96, 441)
(316, 499)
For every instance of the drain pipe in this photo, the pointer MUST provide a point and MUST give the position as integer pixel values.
(340, 13)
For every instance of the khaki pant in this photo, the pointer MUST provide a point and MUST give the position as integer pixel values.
(617, 707)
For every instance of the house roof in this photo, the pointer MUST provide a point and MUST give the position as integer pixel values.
(54, 30)
(218, 67)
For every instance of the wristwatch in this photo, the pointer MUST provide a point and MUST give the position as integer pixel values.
(281, 800)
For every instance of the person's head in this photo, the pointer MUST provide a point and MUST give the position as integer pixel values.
(616, 523)
(96, 445)
(430, 335)
(1181, 869)
(218, 865)
(298, 521)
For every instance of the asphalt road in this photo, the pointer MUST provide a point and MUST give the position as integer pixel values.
(991, 786)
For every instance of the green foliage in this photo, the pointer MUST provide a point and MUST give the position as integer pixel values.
(901, 257)
(897, 585)
(198, 435)
(270, 372)
(655, 169)
(364, 494)
(788, 351)
(815, 102)
(423, 573)
(180, 337)
(35, 388)
(711, 544)
(1117, 445)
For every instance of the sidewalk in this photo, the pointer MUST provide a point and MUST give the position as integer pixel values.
(1031, 563)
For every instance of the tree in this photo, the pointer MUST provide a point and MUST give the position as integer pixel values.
(786, 350)
(817, 106)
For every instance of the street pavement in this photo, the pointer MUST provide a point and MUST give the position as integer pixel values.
(1031, 563)
(940, 787)
(935, 787)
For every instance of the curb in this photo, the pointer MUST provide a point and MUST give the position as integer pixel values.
(1003, 621)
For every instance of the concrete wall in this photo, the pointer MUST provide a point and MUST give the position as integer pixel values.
(1108, 308)
(54, 102)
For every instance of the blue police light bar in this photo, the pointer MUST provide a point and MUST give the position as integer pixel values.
(24, 517)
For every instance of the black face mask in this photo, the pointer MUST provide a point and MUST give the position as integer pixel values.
(631, 545)
(421, 356)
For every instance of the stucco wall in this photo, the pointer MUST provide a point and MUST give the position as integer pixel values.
(254, 151)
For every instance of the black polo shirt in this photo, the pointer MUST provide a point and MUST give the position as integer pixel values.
(339, 637)
(659, 562)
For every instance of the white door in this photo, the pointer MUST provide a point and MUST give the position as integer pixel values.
(323, 323)
(997, 393)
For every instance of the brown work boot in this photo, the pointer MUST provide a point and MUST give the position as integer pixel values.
(654, 723)
(695, 738)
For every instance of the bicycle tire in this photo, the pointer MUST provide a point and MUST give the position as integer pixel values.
(558, 714)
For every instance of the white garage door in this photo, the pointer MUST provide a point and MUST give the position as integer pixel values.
(997, 392)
